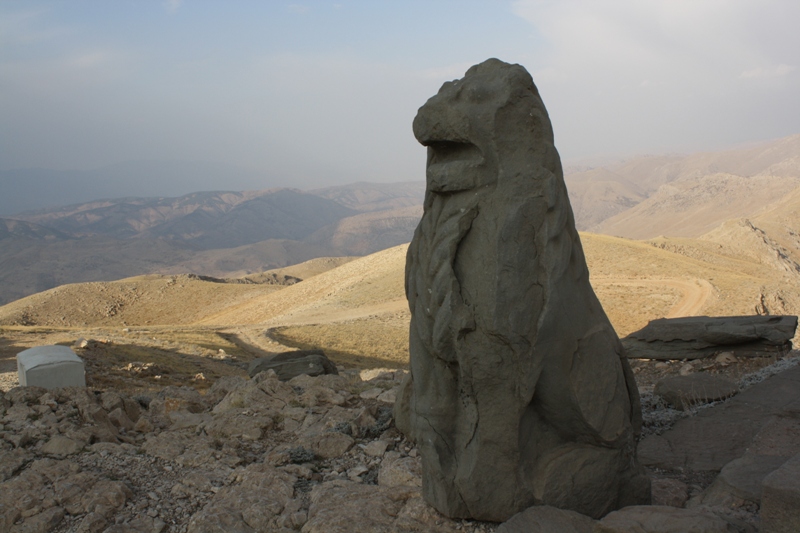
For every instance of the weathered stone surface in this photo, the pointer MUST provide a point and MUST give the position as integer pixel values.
(347, 507)
(11, 461)
(519, 390)
(288, 365)
(661, 519)
(698, 337)
(716, 436)
(684, 392)
(780, 499)
(41, 522)
(207, 467)
(61, 446)
(780, 436)
(671, 492)
(546, 519)
(740, 480)
(329, 444)
(261, 495)
(398, 471)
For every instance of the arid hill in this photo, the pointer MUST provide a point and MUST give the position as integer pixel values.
(357, 311)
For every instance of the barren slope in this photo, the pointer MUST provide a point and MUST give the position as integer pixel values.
(144, 300)
(358, 313)
(597, 194)
(690, 195)
(691, 207)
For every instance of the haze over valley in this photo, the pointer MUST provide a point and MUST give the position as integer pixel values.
(717, 236)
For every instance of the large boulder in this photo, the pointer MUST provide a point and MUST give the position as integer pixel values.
(698, 337)
(519, 391)
(288, 365)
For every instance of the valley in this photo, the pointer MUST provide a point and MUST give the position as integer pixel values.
(330, 272)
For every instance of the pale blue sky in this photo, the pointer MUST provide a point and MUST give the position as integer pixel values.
(312, 93)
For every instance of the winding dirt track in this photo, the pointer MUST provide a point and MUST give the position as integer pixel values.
(695, 292)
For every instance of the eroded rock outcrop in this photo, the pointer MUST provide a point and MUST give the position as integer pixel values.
(698, 337)
(519, 391)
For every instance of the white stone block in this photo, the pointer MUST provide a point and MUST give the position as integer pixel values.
(50, 367)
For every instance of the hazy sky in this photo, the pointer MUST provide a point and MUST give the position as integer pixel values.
(309, 93)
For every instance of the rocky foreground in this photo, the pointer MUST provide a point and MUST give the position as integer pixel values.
(314, 454)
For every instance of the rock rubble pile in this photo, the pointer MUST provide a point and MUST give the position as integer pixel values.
(312, 454)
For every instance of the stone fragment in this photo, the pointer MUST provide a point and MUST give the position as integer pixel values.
(69, 491)
(318, 395)
(92, 523)
(172, 399)
(780, 499)
(223, 386)
(25, 395)
(347, 507)
(50, 367)
(519, 391)
(671, 492)
(389, 396)
(239, 426)
(698, 337)
(11, 461)
(330, 444)
(546, 519)
(294, 363)
(120, 419)
(252, 504)
(332, 381)
(419, 517)
(42, 522)
(726, 358)
(398, 471)
(61, 446)
(105, 497)
(376, 448)
(371, 394)
(684, 392)
(661, 519)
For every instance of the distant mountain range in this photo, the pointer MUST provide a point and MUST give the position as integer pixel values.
(30, 189)
(212, 233)
(229, 234)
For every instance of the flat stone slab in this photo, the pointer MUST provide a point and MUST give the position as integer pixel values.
(716, 436)
(780, 500)
(661, 519)
(50, 367)
(699, 337)
(684, 392)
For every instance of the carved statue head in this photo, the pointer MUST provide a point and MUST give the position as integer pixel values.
(474, 123)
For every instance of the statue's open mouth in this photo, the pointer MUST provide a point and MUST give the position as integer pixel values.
(452, 165)
(443, 152)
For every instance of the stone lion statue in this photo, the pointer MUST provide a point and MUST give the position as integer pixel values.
(519, 391)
